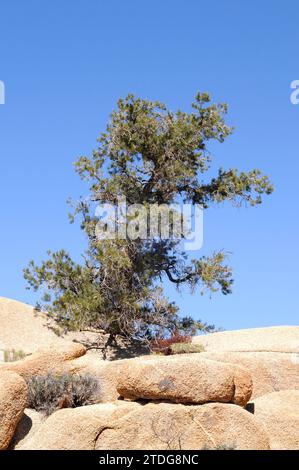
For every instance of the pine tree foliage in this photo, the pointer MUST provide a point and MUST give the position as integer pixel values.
(148, 155)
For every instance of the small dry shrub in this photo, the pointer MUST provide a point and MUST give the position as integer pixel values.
(164, 345)
(220, 447)
(48, 393)
(12, 355)
(186, 348)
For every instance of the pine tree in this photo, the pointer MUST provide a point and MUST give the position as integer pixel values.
(148, 155)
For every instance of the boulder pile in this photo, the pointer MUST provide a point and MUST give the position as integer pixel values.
(130, 425)
(180, 402)
(187, 401)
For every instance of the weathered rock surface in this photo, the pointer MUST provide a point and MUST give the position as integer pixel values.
(174, 427)
(129, 425)
(270, 339)
(184, 379)
(46, 360)
(27, 427)
(270, 372)
(23, 329)
(78, 428)
(279, 412)
(193, 397)
(106, 372)
(13, 399)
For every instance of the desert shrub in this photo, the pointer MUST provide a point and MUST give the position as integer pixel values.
(13, 355)
(220, 447)
(48, 393)
(163, 345)
(186, 348)
(226, 447)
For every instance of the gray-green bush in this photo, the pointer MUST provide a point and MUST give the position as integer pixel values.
(12, 355)
(186, 348)
(48, 393)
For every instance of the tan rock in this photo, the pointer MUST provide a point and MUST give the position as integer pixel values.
(131, 426)
(27, 427)
(70, 358)
(78, 428)
(270, 339)
(46, 360)
(270, 372)
(279, 412)
(24, 329)
(13, 399)
(166, 426)
(184, 379)
(105, 371)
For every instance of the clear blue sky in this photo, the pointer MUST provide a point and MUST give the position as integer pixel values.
(65, 63)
